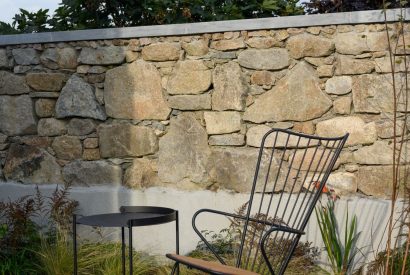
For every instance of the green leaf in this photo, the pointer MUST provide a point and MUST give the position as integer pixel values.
(340, 253)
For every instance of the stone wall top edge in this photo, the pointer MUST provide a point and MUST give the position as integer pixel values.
(360, 17)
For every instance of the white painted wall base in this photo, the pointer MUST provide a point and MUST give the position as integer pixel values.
(372, 214)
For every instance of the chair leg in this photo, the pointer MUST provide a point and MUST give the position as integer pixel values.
(175, 268)
(130, 247)
(123, 250)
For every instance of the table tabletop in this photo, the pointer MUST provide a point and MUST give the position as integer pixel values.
(131, 215)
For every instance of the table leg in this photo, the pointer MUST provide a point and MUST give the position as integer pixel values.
(130, 246)
(123, 250)
(75, 242)
(177, 237)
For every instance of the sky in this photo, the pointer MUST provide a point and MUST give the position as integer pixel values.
(8, 8)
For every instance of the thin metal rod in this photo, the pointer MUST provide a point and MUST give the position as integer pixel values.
(175, 268)
(328, 169)
(177, 237)
(130, 245)
(283, 191)
(262, 145)
(263, 197)
(282, 241)
(248, 212)
(75, 243)
(123, 249)
(291, 244)
(302, 189)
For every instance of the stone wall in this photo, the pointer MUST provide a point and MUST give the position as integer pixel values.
(189, 111)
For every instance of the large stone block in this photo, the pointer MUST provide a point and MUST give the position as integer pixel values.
(357, 43)
(52, 82)
(189, 77)
(63, 58)
(196, 47)
(36, 141)
(295, 97)
(309, 45)
(351, 43)
(134, 92)
(88, 173)
(49, 58)
(4, 60)
(126, 140)
(378, 153)
(234, 168)
(222, 122)
(176, 164)
(163, 51)
(11, 84)
(262, 42)
(140, 174)
(377, 41)
(377, 180)
(228, 45)
(190, 102)
(350, 66)
(359, 131)
(26, 56)
(91, 143)
(263, 78)
(67, 147)
(91, 154)
(374, 94)
(32, 165)
(383, 64)
(234, 139)
(264, 59)
(343, 183)
(17, 115)
(77, 99)
(102, 56)
(45, 107)
(339, 85)
(50, 127)
(342, 105)
(80, 127)
(230, 87)
(385, 128)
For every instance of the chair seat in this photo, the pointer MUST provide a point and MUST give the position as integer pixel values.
(208, 266)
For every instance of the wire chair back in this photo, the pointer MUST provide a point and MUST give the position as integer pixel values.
(291, 171)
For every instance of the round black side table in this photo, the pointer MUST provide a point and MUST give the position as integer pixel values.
(129, 216)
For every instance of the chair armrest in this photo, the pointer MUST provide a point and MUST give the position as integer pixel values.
(266, 236)
(212, 211)
(231, 215)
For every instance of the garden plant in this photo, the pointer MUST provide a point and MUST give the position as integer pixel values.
(394, 258)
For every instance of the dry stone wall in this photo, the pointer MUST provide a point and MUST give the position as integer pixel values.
(190, 111)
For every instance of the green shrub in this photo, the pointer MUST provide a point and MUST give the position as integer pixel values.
(96, 258)
(341, 253)
(20, 236)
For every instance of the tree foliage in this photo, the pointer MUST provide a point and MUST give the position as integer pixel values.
(89, 14)
(331, 6)
(93, 14)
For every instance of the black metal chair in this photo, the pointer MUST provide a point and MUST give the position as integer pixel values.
(291, 171)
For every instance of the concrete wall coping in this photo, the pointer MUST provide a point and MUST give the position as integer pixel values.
(344, 18)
